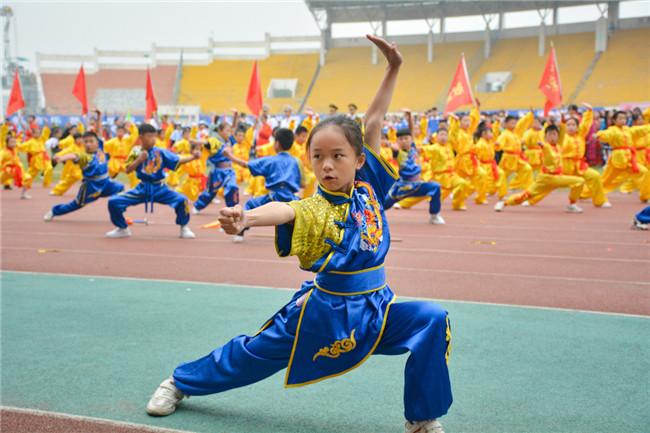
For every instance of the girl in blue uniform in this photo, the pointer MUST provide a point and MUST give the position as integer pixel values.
(347, 313)
(96, 183)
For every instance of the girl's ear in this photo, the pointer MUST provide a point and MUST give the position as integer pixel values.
(361, 159)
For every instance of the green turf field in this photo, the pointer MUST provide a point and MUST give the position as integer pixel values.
(99, 347)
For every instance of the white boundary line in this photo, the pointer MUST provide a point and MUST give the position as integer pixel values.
(100, 421)
(245, 286)
(390, 267)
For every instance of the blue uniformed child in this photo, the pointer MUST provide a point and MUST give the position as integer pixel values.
(281, 173)
(221, 173)
(149, 163)
(409, 183)
(334, 323)
(95, 184)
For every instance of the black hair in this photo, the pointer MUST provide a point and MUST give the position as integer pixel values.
(333, 106)
(573, 107)
(145, 128)
(186, 129)
(88, 134)
(575, 119)
(352, 104)
(482, 127)
(510, 117)
(616, 114)
(349, 127)
(403, 132)
(635, 117)
(284, 137)
(121, 126)
(77, 136)
(551, 128)
(301, 129)
(220, 127)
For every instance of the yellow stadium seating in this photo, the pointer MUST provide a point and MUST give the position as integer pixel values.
(623, 72)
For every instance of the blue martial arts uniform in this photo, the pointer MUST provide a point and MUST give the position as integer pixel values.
(644, 216)
(95, 183)
(282, 178)
(151, 189)
(345, 314)
(407, 186)
(219, 177)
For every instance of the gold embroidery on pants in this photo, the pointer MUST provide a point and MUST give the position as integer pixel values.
(338, 347)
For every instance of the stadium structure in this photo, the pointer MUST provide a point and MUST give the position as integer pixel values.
(604, 61)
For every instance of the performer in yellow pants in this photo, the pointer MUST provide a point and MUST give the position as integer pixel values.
(441, 160)
(191, 175)
(495, 182)
(182, 147)
(572, 146)
(532, 141)
(467, 166)
(71, 173)
(510, 143)
(642, 147)
(299, 151)
(549, 179)
(39, 160)
(622, 163)
(11, 167)
(118, 148)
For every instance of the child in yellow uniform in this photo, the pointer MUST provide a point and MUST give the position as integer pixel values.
(72, 143)
(495, 181)
(180, 147)
(533, 140)
(549, 179)
(164, 135)
(118, 148)
(510, 143)
(573, 146)
(642, 147)
(256, 183)
(12, 167)
(241, 150)
(461, 137)
(622, 163)
(299, 151)
(191, 174)
(441, 160)
(39, 160)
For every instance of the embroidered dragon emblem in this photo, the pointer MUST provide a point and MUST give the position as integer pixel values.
(337, 348)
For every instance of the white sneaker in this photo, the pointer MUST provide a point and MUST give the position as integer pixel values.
(525, 204)
(573, 208)
(117, 233)
(164, 400)
(436, 219)
(606, 205)
(25, 196)
(48, 216)
(186, 233)
(238, 239)
(52, 193)
(397, 206)
(216, 201)
(431, 426)
(195, 211)
(499, 206)
(638, 225)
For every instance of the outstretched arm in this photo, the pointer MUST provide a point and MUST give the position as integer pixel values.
(379, 106)
(194, 156)
(228, 153)
(234, 219)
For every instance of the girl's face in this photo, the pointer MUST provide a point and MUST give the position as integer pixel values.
(334, 160)
(620, 120)
(11, 142)
(571, 126)
(465, 122)
(487, 134)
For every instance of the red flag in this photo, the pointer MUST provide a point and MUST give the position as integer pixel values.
(254, 98)
(550, 84)
(152, 105)
(16, 101)
(460, 91)
(79, 90)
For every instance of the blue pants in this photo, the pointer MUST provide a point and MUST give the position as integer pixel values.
(403, 189)
(88, 193)
(644, 216)
(220, 177)
(417, 327)
(283, 195)
(158, 193)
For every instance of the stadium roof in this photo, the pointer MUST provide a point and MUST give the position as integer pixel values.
(395, 10)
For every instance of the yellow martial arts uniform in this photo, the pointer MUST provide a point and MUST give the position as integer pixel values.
(511, 161)
(622, 163)
(532, 141)
(256, 184)
(496, 178)
(573, 148)
(118, 149)
(191, 176)
(441, 161)
(39, 160)
(12, 169)
(71, 172)
(467, 165)
(241, 151)
(549, 179)
(164, 143)
(4, 131)
(641, 144)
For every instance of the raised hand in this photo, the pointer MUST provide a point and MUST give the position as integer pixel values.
(389, 50)
(233, 219)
